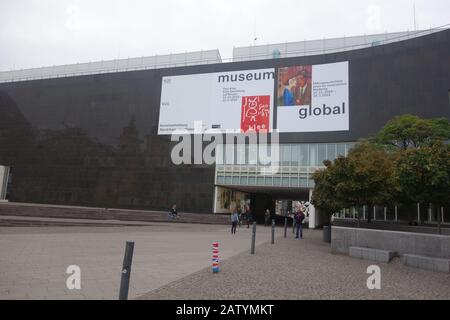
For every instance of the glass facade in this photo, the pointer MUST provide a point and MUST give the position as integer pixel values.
(258, 165)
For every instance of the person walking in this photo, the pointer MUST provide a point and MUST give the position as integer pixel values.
(248, 215)
(267, 217)
(234, 221)
(239, 212)
(299, 217)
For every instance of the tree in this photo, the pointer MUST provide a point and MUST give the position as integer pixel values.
(409, 131)
(366, 176)
(361, 178)
(324, 196)
(422, 175)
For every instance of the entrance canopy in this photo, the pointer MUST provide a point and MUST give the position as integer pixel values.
(277, 193)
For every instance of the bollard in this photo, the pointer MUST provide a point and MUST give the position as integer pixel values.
(273, 231)
(253, 238)
(285, 227)
(126, 271)
(215, 257)
(293, 225)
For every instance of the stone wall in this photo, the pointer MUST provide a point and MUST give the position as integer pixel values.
(437, 246)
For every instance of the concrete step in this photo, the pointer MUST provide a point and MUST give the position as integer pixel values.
(427, 263)
(372, 254)
(56, 211)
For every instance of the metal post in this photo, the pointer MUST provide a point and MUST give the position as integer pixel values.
(126, 271)
(396, 217)
(285, 226)
(364, 212)
(439, 220)
(293, 224)
(418, 212)
(374, 213)
(429, 212)
(273, 231)
(253, 238)
(385, 209)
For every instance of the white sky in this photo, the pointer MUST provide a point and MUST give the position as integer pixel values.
(35, 33)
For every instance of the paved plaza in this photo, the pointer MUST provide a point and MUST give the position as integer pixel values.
(304, 269)
(33, 260)
(172, 261)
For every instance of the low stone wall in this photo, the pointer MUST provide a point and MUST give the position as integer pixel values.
(438, 246)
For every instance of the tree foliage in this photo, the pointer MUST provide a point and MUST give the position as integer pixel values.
(361, 178)
(406, 162)
(423, 174)
(409, 131)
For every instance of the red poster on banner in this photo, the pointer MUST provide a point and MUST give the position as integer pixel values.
(255, 114)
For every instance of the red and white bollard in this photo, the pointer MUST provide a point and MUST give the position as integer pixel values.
(215, 257)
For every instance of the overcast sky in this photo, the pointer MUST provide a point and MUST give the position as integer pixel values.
(36, 33)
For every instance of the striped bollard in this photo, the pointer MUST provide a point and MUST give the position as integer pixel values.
(215, 257)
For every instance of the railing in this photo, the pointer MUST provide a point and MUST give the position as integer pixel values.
(112, 66)
(203, 57)
(325, 46)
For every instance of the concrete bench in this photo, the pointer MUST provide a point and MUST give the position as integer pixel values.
(427, 263)
(371, 254)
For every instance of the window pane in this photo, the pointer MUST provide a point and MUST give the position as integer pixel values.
(303, 154)
(285, 154)
(331, 151)
(322, 154)
(229, 154)
(240, 154)
(295, 155)
(340, 149)
(252, 154)
(276, 181)
(313, 155)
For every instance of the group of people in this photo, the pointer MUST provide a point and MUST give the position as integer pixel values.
(239, 215)
(298, 218)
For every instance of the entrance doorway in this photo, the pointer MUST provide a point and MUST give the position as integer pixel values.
(260, 198)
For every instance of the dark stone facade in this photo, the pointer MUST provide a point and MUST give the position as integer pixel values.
(92, 140)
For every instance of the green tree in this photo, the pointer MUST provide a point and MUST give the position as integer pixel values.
(366, 176)
(361, 178)
(324, 196)
(422, 175)
(409, 131)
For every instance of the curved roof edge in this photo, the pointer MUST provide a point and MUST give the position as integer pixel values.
(260, 52)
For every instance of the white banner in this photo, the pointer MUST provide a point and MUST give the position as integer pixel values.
(313, 98)
(238, 100)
